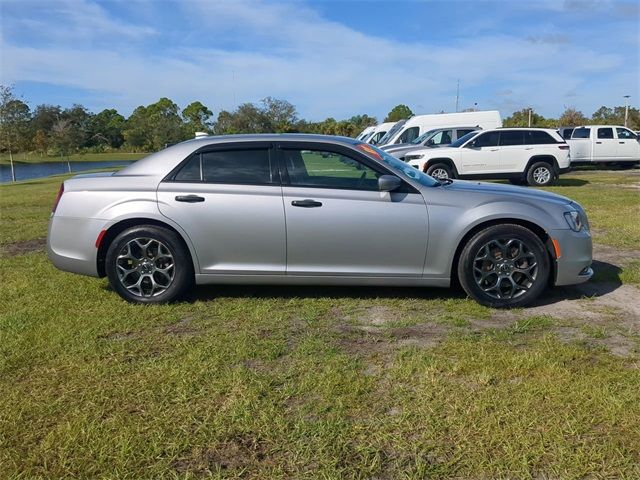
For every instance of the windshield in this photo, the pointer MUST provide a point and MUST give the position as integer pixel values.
(463, 139)
(403, 169)
(391, 133)
(423, 138)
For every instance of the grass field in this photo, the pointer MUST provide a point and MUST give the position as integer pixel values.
(265, 382)
(80, 157)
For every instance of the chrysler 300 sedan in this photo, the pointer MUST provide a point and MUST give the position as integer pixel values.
(311, 209)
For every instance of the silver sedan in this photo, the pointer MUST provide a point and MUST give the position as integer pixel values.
(311, 209)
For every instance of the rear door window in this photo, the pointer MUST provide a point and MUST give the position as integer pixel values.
(605, 132)
(249, 167)
(581, 133)
(511, 137)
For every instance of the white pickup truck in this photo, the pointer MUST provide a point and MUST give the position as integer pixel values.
(604, 143)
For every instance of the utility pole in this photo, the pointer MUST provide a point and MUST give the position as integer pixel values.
(529, 116)
(626, 109)
(458, 96)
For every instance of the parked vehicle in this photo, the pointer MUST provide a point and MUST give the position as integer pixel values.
(535, 156)
(438, 137)
(604, 143)
(378, 133)
(418, 125)
(365, 133)
(310, 209)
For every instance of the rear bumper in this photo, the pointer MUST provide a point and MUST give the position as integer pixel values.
(71, 244)
(576, 255)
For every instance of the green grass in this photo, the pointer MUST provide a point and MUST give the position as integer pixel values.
(79, 157)
(282, 382)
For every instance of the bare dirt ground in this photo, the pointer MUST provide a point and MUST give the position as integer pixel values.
(602, 314)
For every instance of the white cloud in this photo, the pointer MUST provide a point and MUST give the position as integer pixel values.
(249, 50)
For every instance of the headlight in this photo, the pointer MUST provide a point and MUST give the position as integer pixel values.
(577, 220)
(413, 157)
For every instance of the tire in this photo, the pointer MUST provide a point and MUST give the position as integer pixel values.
(541, 174)
(440, 170)
(496, 275)
(517, 181)
(160, 268)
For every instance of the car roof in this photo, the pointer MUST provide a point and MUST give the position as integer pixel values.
(163, 161)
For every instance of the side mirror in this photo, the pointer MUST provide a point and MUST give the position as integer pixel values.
(388, 183)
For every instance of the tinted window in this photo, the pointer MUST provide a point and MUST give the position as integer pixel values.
(409, 135)
(511, 137)
(315, 168)
(376, 138)
(605, 133)
(625, 134)
(489, 139)
(581, 133)
(462, 133)
(230, 166)
(536, 137)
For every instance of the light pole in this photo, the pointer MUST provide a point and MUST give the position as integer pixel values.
(626, 109)
(529, 116)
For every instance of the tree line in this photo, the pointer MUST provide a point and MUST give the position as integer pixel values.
(53, 130)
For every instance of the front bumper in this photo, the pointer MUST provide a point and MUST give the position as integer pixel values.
(576, 256)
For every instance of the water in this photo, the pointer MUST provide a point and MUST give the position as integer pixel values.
(27, 171)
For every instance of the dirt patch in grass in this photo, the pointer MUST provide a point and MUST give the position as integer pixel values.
(235, 453)
(183, 327)
(26, 246)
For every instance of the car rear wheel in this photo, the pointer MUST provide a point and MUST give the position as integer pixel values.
(504, 266)
(149, 264)
(440, 171)
(540, 174)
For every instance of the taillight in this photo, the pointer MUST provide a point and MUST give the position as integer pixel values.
(58, 197)
(564, 146)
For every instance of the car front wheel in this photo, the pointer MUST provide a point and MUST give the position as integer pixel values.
(440, 171)
(504, 266)
(540, 174)
(149, 264)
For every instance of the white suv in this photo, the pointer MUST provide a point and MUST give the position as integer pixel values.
(536, 156)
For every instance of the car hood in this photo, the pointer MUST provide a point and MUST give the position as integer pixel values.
(493, 189)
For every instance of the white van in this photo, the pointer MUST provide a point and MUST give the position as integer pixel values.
(365, 133)
(378, 133)
(416, 126)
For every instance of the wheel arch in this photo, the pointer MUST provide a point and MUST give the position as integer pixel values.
(120, 226)
(547, 158)
(446, 160)
(540, 232)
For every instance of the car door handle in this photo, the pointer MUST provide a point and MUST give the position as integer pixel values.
(494, 150)
(599, 143)
(307, 203)
(189, 198)
(528, 148)
(621, 143)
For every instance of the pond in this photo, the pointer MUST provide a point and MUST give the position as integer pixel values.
(27, 171)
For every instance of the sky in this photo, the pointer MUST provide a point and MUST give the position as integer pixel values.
(328, 58)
